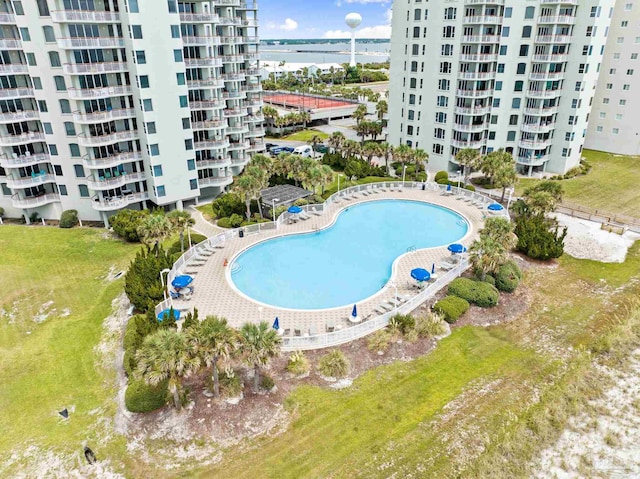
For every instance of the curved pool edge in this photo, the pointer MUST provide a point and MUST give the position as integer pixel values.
(337, 213)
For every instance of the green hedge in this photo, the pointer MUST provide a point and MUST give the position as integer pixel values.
(451, 308)
(475, 292)
(470, 188)
(140, 397)
(138, 327)
(69, 219)
(195, 239)
(508, 277)
(441, 175)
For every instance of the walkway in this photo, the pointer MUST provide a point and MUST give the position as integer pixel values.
(203, 226)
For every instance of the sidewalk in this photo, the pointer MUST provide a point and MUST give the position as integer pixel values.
(203, 226)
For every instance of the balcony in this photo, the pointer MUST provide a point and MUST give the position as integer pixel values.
(546, 76)
(256, 146)
(105, 92)
(475, 144)
(231, 95)
(254, 119)
(230, 21)
(11, 140)
(233, 76)
(118, 202)
(10, 44)
(234, 112)
(16, 161)
(537, 127)
(222, 163)
(238, 145)
(13, 93)
(103, 184)
(7, 18)
(478, 57)
(563, 19)
(252, 72)
(199, 18)
(557, 2)
(215, 181)
(30, 181)
(82, 16)
(207, 62)
(535, 144)
(232, 58)
(202, 40)
(492, 19)
(476, 110)
(241, 160)
(102, 116)
(127, 135)
(251, 56)
(16, 116)
(207, 104)
(553, 39)
(83, 68)
(95, 42)
(475, 93)
(237, 130)
(252, 87)
(202, 84)
(480, 39)
(549, 58)
(208, 124)
(111, 161)
(470, 128)
(544, 93)
(211, 144)
(14, 69)
(34, 201)
(541, 111)
(246, 5)
(251, 23)
(476, 75)
(533, 160)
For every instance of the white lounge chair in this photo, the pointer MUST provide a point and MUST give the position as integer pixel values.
(445, 265)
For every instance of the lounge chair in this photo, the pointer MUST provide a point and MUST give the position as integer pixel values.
(317, 213)
(445, 265)
(174, 294)
(286, 332)
(304, 216)
(366, 192)
(297, 332)
(374, 190)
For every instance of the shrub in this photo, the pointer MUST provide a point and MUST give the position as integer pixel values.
(298, 363)
(142, 282)
(476, 292)
(1, 212)
(224, 223)
(138, 327)
(508, 277)
(451, 308)
(300, 202)
(267, 382)
(403, 322)
(539, 237)
(195, 239)
(226, 205)
(69, 219)
(230, 384)
(379, 341)
(441, 175)
(125, 224)
(470, 188)
(430, 325)
(141, 397)
(487, 278)
(334, 364)
(356, 167)
(34, 217)
(236, 220)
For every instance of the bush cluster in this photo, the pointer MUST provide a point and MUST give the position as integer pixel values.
(138, 327)
(360, 168)
(69, 219)
(451, 308)
(539, 237)
(380, 340)
(298, 363)
(227, 205)
(141, 397)
(334, 160)
(476, 292)
(195, 239)
(142, 282)
(125, 224)
(508, 277)
(441, 175)
(334, 364)
(402, 323)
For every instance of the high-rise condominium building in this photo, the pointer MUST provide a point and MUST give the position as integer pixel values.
(489, 74)
(107, 104)
(614, 125)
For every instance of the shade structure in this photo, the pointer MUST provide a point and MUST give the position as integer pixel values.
(456, 248)
(167, 312)
(449, 187)
(433, 268)
(294, 209)
(495, 207)
(182, 281)
(420, 274)
(276, 324)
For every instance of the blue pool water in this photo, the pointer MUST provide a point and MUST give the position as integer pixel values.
(347, 262)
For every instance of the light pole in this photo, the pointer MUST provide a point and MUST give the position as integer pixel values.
(404, 171)
(260, 309)
(339, 183)
(511, 191)
(273, 208)
(459, 171)
(164, 289)
(189, 236)
(395, 287)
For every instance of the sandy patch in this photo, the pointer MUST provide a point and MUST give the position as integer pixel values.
(586, 240)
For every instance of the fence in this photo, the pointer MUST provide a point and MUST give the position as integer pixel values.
(598, 216)
(359, 330)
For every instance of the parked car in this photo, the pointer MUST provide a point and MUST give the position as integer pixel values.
(274, 149)
(288, 149)
(304, 150)
(268, 146)
(321, 148)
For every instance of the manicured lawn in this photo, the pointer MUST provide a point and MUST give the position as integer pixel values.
(611, 186)
(304, 135)
(47, 366)
(205, 209)
(344, 183)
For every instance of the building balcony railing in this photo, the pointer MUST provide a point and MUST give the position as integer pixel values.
(237, 130)
(208, 124)
(553, 39)
(207, 104)
(16, 116)
(251, 56)
(7, 18)
(111, 161)
(255, 133)
(82, 16)
(238, 145)
(252, 87)
(221, 163)
(211, 144)
(480, 39)
(247, 5)
(234, 112)
(563, 19)
(544, 93)
(206, 62)
(101, 116)
(476, 75)
(118, 202)
(532, 160)
(34, 201)
(230, 21)
(201, 40)
(546, 76)
(537, 127)
(232, 58)
(30, 137)
(231, 95)
(492, 19)
(15, 161)
(11, 93)
(476, 144)
(233, 76)
(471, 128)
(241, 160)
(254, 102)
(535, 144)
(14, 69)
(554, 2)
(254, 118)
(10, 44)
(104, 92)
(252, 72)
(541, 111)
(85, 140)
(478, 57)
(94, 42)
(550, 58)
(199, 18)
(83, 68)
(208, 83)
(474, 93)
(476, 110)
(251, 23)
(30, 181)
(104, 184)
(256, 146)
(215, 181)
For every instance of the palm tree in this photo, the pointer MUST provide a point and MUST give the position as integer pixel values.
(153, 229)
(261, 172)
(181, 220)
(386, 150)
(493, 162)
(402, 154)
(213, 340)
(543, 197)
(327, 176)
(369, 150)
(259, 344)
(382, 107)
(166, 355)
(336, 140)
(360, 113)
(486, 255)
(315, 140)
(506, 177)
(469, 159)
(500, 230)
(420, 156)
(363, 130)
(247, 187)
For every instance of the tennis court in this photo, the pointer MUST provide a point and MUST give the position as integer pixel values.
(292, 100)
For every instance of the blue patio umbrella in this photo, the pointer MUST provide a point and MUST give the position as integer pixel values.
(276, 324)
(354, 313)
(420, 274)
(294, 209)
(166, 313)
(433, 268)
(182, 281)
(456, 248)
(495, 207)
(449, 187)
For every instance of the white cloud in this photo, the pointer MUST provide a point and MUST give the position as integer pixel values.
(388, 15)
(289, 25)
(378, 31)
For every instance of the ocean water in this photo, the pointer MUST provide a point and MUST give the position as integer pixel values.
(325, 52)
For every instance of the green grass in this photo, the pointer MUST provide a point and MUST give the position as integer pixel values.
(610, 186)
(304, 135)
(344, 183)
(52, 365)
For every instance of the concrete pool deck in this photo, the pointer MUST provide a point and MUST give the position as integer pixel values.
(214, 295)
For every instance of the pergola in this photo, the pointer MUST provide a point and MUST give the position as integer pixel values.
(283, 195)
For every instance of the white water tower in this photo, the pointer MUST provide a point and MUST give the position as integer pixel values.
(353, 20)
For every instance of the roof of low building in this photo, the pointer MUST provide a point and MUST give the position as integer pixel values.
(283, 194)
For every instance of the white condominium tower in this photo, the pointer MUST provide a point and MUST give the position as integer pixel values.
(489, 74)
(107, 104)
(614, 125)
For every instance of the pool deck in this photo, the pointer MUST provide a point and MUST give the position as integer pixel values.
(214, 295)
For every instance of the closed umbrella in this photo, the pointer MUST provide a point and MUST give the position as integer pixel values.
(354, 315)
(276, 324)
(433, 268)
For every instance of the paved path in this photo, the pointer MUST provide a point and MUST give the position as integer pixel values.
(203, 226)
(214, 293)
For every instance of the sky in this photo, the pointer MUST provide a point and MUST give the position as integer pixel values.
(322, 18)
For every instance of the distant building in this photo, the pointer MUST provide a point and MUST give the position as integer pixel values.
(297, 69)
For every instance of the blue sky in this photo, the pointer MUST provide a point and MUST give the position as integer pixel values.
(322, 18)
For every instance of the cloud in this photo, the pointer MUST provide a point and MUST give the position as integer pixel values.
(289, 25)
(378, 31)
(364, 2)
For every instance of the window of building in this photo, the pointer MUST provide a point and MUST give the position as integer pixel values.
(69, 128)
(413, 83)
(438, 149)
(42, 106)
(441, 117)
(526, 32)
(191, 164)
(599, 129)
(622, 102)
(442, 101)
(144, 81)
(147, 104)
(500, 67)
(62, 189)
(609, 86)
(37, 83)
(173, 7)
(605, 101)
(157, 170)
(184, 101)
(439, 133)
(65, 106)
(519, 85)
(450, 13)
(84, 191)
(188, 144)
(31, 59)
(48, 130)
(449, 32)
(136, 31)
(417, 14)
(529, 12)
(513, 120)
(60, 84)
(5, 190)
(177, 55)
(628, 7)
(619, 116)
(615, 131)
(620, 40)
(24, 34)
(74, 150)
(410, 130)
(515, 102)
(54, 59)
(175, 31)
(498, 86)
(634, 56)
(154, 150)
(151, 127)
(43, 8)
(160, 191)
(180, 78)
(443, 85)
(630, 71)
(141, 57)
(626, 87)
(193, 184)
(505, 31)
(186, 123)
(133, 6)
(524, 50)
(57, 169)
(416, 32)
(508, 11)
(503, 50)
(49, 35)
(496, 102)
(494, 119)
(79, 171)
(511, 136)
(521, 69)
(445, 67)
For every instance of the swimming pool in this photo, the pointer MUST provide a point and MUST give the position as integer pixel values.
(347, 262)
